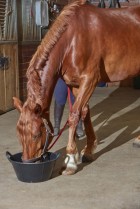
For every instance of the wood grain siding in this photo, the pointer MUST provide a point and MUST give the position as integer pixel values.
(8, 76)
(26, 52)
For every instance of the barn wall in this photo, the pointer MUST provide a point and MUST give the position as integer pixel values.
(26, 50)
(29, 37)
(8, 55)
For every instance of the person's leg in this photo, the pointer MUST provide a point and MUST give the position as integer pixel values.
(60, 95)
(79, 130)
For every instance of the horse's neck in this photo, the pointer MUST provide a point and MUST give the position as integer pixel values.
(41, 83)
(52, 72)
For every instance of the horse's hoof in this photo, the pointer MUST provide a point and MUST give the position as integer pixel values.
(70, 164)
(68, 171)
(86, 158)
(136, 143)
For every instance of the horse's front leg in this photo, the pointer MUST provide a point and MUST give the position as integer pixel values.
(85, 90)
(71, 160)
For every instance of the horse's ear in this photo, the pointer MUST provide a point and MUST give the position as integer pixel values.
(38, 109)
(17, 104)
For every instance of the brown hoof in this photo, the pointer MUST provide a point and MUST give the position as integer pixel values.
(68, 171)
(86, 158)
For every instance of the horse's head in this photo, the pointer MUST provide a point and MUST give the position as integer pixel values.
(31, 130)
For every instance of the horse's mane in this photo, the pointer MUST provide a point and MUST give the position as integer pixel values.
(53, 35)
(41, 55)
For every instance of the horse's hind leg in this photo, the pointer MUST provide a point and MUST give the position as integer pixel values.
(136, 142)
(87, 152)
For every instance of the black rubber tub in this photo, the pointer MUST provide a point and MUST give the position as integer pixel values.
(136, 82)
(33, 172)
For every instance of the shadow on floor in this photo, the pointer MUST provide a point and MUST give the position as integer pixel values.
(117, 113)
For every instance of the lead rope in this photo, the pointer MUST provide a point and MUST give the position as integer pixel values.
(67, 122)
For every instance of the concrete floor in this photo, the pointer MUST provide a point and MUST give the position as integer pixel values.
(111, 181)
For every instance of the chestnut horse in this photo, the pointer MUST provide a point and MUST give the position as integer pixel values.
(85, 45)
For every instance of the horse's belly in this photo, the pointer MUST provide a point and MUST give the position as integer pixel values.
(122, 69)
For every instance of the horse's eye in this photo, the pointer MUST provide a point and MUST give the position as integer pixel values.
(35, 137)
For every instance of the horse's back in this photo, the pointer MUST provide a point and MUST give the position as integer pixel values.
(91, 16)
(111, 35)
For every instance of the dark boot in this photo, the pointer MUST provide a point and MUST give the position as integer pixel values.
(58, 112)
(79, 130)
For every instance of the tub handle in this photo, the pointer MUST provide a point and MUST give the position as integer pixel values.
(9, 155)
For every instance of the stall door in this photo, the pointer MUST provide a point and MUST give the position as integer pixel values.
(8, 75)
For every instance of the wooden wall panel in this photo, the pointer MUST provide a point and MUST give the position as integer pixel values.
(2, 91)
(26, 52)
(9, 76)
